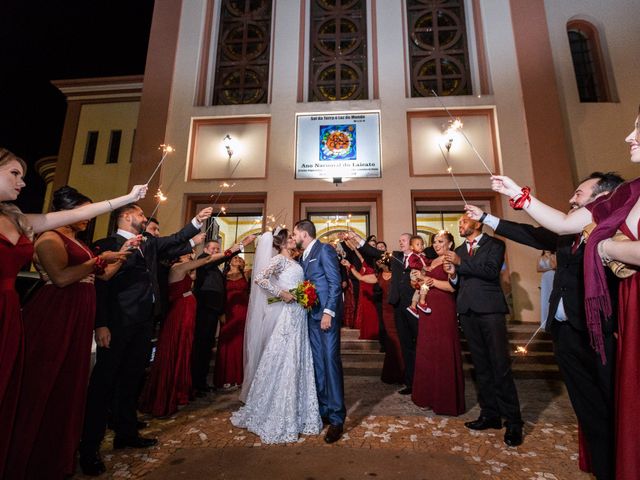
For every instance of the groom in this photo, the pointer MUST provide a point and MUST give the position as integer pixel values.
(321, 267)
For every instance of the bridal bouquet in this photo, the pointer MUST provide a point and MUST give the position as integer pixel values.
(305, 294)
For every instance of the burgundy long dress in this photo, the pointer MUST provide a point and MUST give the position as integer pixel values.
(169, 383)
(627, 384)
(367, 316)
(58, 327)
(12, 259)
(438, 381)
(393, 366)
(229, 360)
(349, 311)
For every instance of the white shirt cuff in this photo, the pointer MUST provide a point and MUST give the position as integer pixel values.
(192, 243)
(196, 223)
(491, 221)
(330, 312)
(454, 280)
(361, 243)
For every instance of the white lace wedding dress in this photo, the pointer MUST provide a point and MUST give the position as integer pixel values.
(282, 400)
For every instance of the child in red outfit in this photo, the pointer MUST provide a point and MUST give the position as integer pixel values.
(417, 262)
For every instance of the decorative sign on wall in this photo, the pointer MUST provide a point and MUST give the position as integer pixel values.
(345, 145)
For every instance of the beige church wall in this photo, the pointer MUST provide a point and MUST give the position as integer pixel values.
(597, 130)
(100, 180)
(396, 182)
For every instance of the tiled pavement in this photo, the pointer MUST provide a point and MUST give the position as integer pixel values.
(379, 420)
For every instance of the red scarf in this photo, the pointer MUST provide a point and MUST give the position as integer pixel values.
(609, 212)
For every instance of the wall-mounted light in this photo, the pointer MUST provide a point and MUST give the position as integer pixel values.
(337, 180)
(227, 145)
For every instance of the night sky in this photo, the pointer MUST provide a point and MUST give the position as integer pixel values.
(42, 41)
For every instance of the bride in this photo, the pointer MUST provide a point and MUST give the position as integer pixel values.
(281, 402)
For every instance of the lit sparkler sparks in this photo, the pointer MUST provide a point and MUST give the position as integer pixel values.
(166, 150)
(458, 126)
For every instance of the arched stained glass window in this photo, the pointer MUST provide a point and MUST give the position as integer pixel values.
(338, 50)
(242, 65)
(438, 52)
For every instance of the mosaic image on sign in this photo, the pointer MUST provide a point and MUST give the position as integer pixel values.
(338, 142)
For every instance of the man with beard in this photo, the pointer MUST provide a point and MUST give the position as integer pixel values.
(124, 325)
(589, 381)
(474, 271)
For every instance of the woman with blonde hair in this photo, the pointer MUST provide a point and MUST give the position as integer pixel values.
(16, 249)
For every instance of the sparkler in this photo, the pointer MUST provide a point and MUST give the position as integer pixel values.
(161, 198)
(458, 124)
(520, 350)
(166, 150)
(445, 157)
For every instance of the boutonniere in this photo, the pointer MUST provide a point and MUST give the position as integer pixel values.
(475, 249)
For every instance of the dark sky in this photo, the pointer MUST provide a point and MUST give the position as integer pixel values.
(42, 41)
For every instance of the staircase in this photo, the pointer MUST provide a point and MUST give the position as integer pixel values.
(362, 357)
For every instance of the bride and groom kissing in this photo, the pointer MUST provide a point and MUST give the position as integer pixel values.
(293, 380)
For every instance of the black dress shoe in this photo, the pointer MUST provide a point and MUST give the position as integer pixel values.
(91, 464)
(483, 423)
(134, 442)
(513, 435)
(333, 433)
(325, 421)
(405, 391)
(140, 425)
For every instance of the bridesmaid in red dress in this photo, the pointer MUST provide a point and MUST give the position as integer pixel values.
(367, 314)
(16, 249)
(58, 327)
(229, 360)
(393, 366)
(169, 383)
(438, 381)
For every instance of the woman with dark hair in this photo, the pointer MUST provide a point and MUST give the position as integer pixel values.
(169, 383)
(58, 326)
(16, 249)
(372, 240)
(438, 380)
(393, 366)
(228, 369)
(282, 401)
(367, 319)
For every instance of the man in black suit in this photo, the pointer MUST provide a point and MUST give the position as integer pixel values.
(210, 292)
(589, 382)
(474, 271)
(400, 293)
(124, 325)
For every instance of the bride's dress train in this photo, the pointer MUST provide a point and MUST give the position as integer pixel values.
(282, 401)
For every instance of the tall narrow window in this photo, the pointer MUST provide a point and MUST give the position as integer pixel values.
(587, 61)
(242, 65)
(114, 146)
(438, 52)
(90, 148)
(338, 55)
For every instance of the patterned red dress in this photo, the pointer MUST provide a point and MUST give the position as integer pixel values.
(169, 383)
(367, 316)
(229, 361)
(58, 328)
(438, 380)
(12, 259)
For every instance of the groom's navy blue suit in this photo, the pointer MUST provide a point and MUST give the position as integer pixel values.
(321, 267)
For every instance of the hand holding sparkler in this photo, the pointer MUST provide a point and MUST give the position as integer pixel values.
(204, 214)
(473, 212)
(138, 192)
(505, 185)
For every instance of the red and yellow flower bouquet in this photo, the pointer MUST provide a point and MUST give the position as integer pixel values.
(305, 293)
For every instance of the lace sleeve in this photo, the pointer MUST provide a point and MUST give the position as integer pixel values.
(275, 268)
